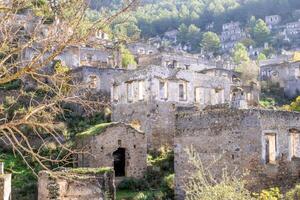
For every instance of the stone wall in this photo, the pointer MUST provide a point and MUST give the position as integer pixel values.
(5, 186)
(77, 184)
(102, 144)
(236, 138)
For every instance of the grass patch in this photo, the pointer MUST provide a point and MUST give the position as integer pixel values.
(94, 130)
(131, 195)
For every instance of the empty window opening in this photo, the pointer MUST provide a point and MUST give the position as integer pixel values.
(182, 91)
(270, 148)
(141, 90)
(115, 93)
(295, 144)
(119, 162)
(130, 92)
(163, 90)
(93, 81)
(199, 96)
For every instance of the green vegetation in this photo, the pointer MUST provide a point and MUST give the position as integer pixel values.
(269, 194)
(13, 85)
(24, 181)
(294, 193)
(210, 42)
(100, 170)
(141, 195)
(202, 186)
(294, 106)
(260, 32)
(240, 54)
(94, 130)
(127, 57)
(158, 183)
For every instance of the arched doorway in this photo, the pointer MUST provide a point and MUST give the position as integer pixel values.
(119, 162)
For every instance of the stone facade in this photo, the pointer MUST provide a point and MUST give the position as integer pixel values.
(140, 48)
(231, 34)
(265, 142)
(176, 60)
(117, 145)
(150, 96)
(97, 80)
(286, 74)
(83, 184)
(272, 20)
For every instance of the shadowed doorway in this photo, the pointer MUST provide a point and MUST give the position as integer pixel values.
(119, 162)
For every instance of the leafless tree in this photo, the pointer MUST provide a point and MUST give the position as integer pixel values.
(32, 34)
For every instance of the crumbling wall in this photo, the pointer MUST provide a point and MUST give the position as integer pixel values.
(235, 139)
(101, 147)
(82, 184)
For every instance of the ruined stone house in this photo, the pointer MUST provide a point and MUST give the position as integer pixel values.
(151, 95)
(115, 145)
(285, 74)
(231, 34)
(175, 60)
(265, 142)
(142, 48)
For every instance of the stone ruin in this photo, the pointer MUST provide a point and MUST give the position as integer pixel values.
(77, 184)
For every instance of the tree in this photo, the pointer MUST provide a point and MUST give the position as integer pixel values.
(249, 72)
(210, 42)
(261, 56)
(294, 106)
(240, 54)
(260, 32)
(127, 57)
(33, 112)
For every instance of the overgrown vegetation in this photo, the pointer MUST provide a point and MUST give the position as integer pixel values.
(24, 181)
(158, 182)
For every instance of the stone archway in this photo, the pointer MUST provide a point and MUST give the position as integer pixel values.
(119, 162)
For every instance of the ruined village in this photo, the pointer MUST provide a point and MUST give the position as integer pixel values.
(85, 115)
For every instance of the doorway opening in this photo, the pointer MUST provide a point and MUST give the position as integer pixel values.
(119, 162)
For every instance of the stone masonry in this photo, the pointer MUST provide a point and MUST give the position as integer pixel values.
(117, 145)
(77, 184)
(265, 142)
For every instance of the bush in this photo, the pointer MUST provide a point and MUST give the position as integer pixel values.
(202, 186)
(294, 194)
(13, 85)
(269, 194)
(133, 184)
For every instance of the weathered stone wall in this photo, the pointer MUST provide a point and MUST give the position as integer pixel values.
(101, 147)
(104, 77)
(69, 185)
(156, 119)
(156, 114)
(236, 139)
(5, 186)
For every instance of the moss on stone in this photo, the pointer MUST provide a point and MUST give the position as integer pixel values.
(95, 130)
(84, 171)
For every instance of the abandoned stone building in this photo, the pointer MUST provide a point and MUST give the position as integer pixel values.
(142, 48)
(175, 60)
(96, 80)
(77, 184)
(150, 96)
(284, 73)
(231, 34)
(115, 145)
(265, 142)
(272, 20)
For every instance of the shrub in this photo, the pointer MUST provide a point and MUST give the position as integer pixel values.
(269, 194)
(133, 184)
(202, 186)
(294, 194)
